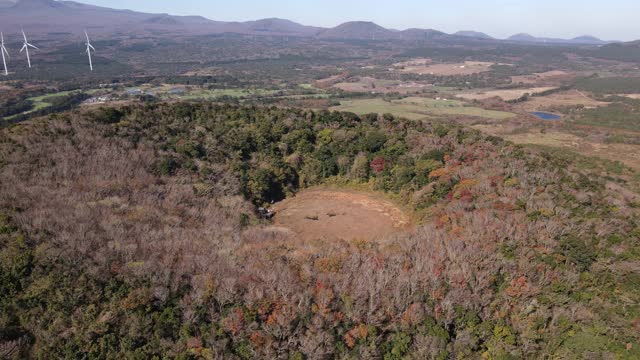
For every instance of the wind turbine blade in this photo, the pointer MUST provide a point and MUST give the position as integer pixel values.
(87, 35)
(24, 47)
(33, 46)
(24, 36)
(4, 50)
(91, 46)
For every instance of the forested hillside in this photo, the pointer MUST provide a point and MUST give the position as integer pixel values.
(133, 233)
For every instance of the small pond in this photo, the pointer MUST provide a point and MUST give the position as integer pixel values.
(546, 116)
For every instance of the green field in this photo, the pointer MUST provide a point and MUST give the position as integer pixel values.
(43, 101)
(40, 102)
(416, 108)
(216, 93)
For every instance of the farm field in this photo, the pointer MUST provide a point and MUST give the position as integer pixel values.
(237, 93)
(416, 108)
(372, 85)
(560, 99)
(44, 101)
(551, 77)
(426, 68)
(506, 95)
(205, 94)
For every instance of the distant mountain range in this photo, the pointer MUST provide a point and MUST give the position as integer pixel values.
(584, 40)
(365, 30)
(42, 16)
(474, 34)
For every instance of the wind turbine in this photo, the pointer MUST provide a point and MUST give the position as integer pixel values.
(3, 51)
(26, 47)
(89, 48)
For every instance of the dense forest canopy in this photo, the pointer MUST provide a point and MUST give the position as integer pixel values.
(132, 233)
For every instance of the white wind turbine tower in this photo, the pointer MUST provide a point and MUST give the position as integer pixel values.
(89, 48)
(26, 47)
(4, 52)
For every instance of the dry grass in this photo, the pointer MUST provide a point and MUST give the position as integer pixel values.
(506, 95)
(626, 153)
(561, 99)
(331, 80)
(416, 108)
(339, 215)
(554, 76)
(425, 68)
(208, 71)
(372, 85)
(414, 63)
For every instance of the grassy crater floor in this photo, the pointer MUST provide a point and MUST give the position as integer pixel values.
(336, 214)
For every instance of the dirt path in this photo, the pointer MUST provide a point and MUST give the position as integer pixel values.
(330, 214)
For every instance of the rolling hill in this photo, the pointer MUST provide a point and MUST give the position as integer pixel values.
(581, 40)
(275, 25)
(422, 34)
(629, 51)
(474, 34)
(365, 30)
(359, 30)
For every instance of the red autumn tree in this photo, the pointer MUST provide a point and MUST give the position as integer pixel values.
(377, 165)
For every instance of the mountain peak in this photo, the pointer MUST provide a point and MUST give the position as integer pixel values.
(587, 38)
(473, 34)
(522, 37)
(359, 30)
(281, 26)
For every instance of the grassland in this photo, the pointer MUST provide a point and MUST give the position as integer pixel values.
(236, 93)
(620, 115)
(41, 102)
(205, 94)
(627, 154)
(506, 95)
(555, 76)
(416, 108)
(44, 101)
(373, 85)
(564, 99)
(329, 214)
(166, 91)
(423, 67)
(307, 86)
(610, 85)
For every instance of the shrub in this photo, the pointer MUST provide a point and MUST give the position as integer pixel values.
(441, 131)
(580, 252)
(167, 166)
(108, 116)
(396, 346)
(378, 165)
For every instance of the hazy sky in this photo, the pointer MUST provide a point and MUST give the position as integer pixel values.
(607, 19)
